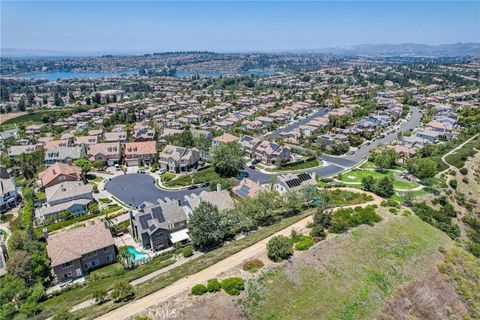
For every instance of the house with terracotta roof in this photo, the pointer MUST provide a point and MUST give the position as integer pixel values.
(137, 153)
(73, 253)
(53, 144)
(224, 138)
(110, 152)
(58, 173)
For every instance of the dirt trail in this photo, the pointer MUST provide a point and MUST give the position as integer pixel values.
(256, 250)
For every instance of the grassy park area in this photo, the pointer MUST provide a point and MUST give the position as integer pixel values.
(356, 176)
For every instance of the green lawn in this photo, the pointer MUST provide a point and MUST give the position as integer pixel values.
(297, 166)
(340, 283)
(196, 177)
(35, 117)
(358, 175)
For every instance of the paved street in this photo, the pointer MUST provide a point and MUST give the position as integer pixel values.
(298, 123)
(133, 189)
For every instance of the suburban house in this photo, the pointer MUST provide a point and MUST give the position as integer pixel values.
(272, 153)
(224, 138)
(110, 152)
(247, 188)
(294, 182)
(178, 159)
(158, 226)
(137, 153)
(75, 252)
(54, 144)
(71, 196)
(58, 173)
(64, 155)
(116, 136)
(219, 198)
(15, 151)
(9, 195)
(143, 133)
(265, 151)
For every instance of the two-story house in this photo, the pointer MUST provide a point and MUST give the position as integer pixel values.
(75, 252)
(178, 159)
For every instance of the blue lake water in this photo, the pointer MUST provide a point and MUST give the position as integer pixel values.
(52, 76)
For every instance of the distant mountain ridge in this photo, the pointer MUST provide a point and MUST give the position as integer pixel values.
(471, 49)
(408, 49)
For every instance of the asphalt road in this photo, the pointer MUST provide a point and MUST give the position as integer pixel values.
(133, 189)
(298, 123)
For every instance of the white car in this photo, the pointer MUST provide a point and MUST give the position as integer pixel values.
(162, 170)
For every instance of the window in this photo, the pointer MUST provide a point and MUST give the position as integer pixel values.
(67, 275)
(109, 258)
(67, 264)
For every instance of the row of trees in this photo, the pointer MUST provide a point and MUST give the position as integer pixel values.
(28, 267)
(209, 227)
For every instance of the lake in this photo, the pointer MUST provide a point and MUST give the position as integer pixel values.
(53, 76)
(59, 75)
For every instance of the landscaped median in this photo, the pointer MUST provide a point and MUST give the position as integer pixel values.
(295, 166)
(196, 177)
(355, 177)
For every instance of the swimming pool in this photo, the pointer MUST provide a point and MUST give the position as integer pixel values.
(138, 255)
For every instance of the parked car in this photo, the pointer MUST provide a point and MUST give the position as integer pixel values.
(243, 175)
(193, 187)
(162, 170)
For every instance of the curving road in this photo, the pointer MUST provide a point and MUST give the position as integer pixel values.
(133, 189)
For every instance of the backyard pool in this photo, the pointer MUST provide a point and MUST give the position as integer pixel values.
(138, 255)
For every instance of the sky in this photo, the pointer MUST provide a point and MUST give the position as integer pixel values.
(229, 26)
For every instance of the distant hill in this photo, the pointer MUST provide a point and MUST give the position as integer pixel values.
(408, 49)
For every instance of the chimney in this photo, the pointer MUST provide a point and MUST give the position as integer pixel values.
(219, 187)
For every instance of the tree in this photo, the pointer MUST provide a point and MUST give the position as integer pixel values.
(322, 218)
(384, 187)
(279, 248)
(368, 183)
(228, 159)
(84, 164)
(122, 290)
(385, 159)
(57, 100)
(100, 295)
(207, 226)
(125, 257)
(19, 265)
(422, 168)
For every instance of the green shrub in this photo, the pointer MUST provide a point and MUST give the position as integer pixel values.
(105, 200)
(253, 265)
(233, 286)
(464, 171)
(199, 290)
(304, 244)
(453, 183)
(213, 285)
(318, 231)
(187, 252)
(122, 291)
(279, 248)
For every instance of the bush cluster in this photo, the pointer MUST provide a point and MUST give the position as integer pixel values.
(305, 243)
(199, 289)
(233, 286)
(441, 219)
(187, 252)
(279, 248)
(344, 219)
(253, 265)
